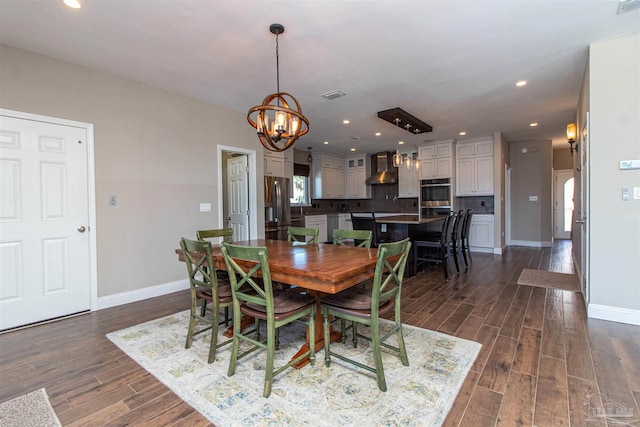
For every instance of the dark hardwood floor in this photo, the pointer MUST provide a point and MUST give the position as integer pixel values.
(541, 357)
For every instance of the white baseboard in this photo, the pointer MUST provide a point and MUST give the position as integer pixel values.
(142, 294)
(614, 314)
(532, 243)
(481, 249)
(498, 251)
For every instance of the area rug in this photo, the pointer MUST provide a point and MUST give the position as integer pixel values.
(29, 410)
(418, 395)
(547, 279)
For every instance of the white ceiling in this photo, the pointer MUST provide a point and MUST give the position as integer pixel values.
(452, 64)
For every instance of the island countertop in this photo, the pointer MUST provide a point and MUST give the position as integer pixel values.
(408, 219)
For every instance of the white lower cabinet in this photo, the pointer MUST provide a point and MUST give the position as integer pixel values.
(344, 222)
(319, 222)
(481, 231)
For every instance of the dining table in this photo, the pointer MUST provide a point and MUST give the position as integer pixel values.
(319, 269)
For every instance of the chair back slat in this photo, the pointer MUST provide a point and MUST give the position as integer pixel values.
(200, 265)
(389, 273)
(294, 234)
(225, 233)
(360, 238)
(249, 265)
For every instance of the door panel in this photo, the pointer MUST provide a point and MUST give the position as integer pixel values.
(44, 250)
(238, 202)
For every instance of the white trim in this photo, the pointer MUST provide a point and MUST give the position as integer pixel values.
(142, 294)
(480, 249)
(253, 192)
(614, 314)
(532, 243)
(91, 190)
(497, 251)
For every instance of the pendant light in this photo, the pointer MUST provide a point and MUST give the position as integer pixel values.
(278, 120)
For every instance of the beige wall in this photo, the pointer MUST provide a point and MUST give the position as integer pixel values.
(154, 150)
(562, 159)
(531, 175)
(614, 224)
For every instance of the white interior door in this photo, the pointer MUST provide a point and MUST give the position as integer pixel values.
(563, 204)
(582, 217)
(238, 197)
(44, 221)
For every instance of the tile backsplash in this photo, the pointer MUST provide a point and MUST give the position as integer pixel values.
(480, 204)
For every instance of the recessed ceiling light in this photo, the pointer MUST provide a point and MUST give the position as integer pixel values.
(326, 142)
(463, 133)
(400, 142)
(74, 4)
(378, 134)
(353, 149)
(534, 124)
(521, 83)
(346, 122)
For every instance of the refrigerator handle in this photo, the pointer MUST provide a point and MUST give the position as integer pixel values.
(277, 201)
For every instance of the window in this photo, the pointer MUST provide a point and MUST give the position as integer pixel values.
(301, 185)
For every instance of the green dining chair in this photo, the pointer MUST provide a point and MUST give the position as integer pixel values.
(275, 308)
(205, 287)
(225, 233)
(213, 235)
(365, 306)
(358, 238)
(295, 233)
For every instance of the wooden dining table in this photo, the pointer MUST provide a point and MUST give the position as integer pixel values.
(319, 269)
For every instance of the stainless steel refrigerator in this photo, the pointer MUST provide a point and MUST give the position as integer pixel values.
(277, 207)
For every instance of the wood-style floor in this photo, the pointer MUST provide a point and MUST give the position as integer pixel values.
(540, 362)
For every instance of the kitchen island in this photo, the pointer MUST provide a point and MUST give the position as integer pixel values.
(409, 219)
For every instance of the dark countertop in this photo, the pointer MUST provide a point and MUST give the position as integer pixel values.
(408, 219)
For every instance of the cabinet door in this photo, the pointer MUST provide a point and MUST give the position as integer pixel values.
(355, 186)
(442, 168)
(426, 152)
(273, 166)
(442, 150)
(484, 176)
(481, 231)
(484, 148)
(339, 183)
(465, 177)
(427, 169)
(408, 182)
(465, 150)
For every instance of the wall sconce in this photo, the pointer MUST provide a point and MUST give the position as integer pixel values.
(571, 137)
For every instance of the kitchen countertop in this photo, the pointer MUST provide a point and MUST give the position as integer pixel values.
(408, 219)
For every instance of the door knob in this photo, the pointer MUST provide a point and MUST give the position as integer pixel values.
(579, 221)
(81, 229)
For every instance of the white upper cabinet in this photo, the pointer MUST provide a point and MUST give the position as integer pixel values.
(474, 168)
(357, 170)
(274, 163)
(408, 181)
(328, 177)
(436, 160)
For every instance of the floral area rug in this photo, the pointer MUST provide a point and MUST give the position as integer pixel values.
(420, 394)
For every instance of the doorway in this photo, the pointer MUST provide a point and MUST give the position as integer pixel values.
(238, 191)
(47, 219)
(563, 204)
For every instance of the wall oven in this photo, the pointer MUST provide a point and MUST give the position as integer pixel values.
(435, 197)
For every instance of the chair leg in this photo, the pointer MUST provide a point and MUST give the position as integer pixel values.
(464, 255)
(377, 356)
(468, 252)
(444, 261)
(455, 258)
(311, 325)
(327, 338)
(403, 351)
(268, 369)
(214, 335)
(192, 323)
(354, 330)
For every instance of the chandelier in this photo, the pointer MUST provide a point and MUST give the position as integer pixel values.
(278, 120)
(407, 162)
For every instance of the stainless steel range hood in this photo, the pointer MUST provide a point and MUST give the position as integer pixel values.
(385, 173)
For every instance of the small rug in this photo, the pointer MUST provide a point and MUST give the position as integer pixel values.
(29, 410)
(418, 395)
(547, 279)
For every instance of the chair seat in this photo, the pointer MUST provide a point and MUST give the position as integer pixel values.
(284, 304)
(355, 301)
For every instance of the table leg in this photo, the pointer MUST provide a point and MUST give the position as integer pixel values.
(245, 321)
(319, 332)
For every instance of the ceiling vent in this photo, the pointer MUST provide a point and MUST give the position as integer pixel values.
(333, 94)
(404, 120)
(627, 6)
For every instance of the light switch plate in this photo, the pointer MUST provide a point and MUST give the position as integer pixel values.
(636, 193)
(205, 207)
(533, 198)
